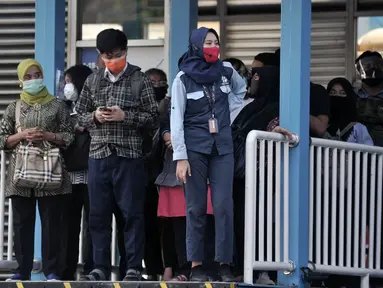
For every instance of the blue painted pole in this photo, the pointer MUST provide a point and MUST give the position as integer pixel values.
(50, 52)
(183, 20)
(294, 115)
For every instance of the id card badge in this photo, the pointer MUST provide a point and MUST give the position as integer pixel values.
(213, 125)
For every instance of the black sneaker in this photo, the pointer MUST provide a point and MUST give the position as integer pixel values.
(95, 275)
(226, 274)
(133, 275)
(197, 274)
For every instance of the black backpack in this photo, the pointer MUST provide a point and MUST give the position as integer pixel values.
(77, 154)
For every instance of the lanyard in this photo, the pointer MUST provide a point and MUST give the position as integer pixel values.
(210, 94)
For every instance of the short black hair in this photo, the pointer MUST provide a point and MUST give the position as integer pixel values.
(268, 59)
(368, 53)
(238, 65)
(235, 62)
(78, 74)
(111, 39)
(156, 71)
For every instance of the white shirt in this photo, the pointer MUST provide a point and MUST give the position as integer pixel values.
(113, 78)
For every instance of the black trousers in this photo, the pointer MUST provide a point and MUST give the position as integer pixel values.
(239, 223)
(152, 258)
(51, 210)
(77, 200)
(120, 180)
(173, 239)
(169, 255)
(120, 223)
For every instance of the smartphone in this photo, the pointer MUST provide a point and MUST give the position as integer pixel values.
(103, 108)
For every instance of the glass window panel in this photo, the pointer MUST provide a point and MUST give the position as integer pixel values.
(132, 16)
(157, 31)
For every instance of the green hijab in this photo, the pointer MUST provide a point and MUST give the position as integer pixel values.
(43, 97)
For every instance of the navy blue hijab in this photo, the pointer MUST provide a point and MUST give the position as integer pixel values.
(194, 64)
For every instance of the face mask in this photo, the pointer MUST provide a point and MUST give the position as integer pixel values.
(160, 92)
(340, 108)
(70, 92)
(115, 65)
(372, 82)
(33, 86)
(211, 54)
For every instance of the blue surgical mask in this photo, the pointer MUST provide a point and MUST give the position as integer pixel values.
(33, 86)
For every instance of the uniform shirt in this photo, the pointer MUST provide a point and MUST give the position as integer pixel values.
(180, 98)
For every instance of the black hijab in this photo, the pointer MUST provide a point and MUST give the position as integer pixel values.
(265, 107)
(266, 91)
(343, 110)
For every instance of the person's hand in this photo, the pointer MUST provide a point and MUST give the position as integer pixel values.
(98, 115)
(167, 140)
(113, 114)
(33, 135)
(183, 169)
(283, 131)
(80, 129)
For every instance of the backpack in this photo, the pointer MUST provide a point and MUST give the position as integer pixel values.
(150, 137)
(77, 154)
(370, 113)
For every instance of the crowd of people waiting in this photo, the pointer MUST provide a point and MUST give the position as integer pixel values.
(171, 170)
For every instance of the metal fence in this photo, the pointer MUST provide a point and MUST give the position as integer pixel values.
(345, 231)
(345, 234)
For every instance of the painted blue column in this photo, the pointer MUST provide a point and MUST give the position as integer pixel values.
(294, 115)
(50, 52)
(183, 19)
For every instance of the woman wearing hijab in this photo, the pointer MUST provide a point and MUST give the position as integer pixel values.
(255, 116)
(204, 93)
(42, 118)
(343, 123)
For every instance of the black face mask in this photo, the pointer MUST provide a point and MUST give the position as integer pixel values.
(160, 92)
(340, 110)
(372, 82)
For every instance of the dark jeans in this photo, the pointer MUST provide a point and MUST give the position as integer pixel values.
(122, 180)
(78, 200)
(239, 223)
(219, 169)
(120, 223)
(153, 260)
(51, 210)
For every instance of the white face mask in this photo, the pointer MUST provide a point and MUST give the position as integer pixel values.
(70, 92)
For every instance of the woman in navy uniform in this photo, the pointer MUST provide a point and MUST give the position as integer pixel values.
(204, 93)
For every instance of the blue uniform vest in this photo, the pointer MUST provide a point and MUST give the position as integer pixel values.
(198, 111)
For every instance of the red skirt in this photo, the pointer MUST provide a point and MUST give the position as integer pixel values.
(171, 202)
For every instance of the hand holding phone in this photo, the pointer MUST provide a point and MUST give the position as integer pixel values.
(104, 109)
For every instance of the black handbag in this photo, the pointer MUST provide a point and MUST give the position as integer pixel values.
(77, 155)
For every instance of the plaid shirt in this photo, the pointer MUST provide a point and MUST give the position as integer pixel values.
(140, 113)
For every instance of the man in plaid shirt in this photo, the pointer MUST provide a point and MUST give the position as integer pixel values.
(117, 120)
